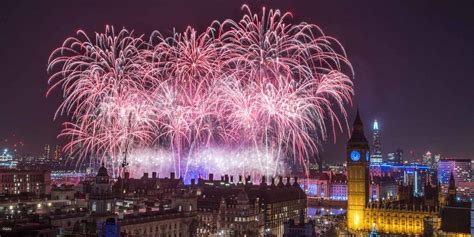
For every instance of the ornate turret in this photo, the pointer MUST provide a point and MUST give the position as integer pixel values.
(451, 190)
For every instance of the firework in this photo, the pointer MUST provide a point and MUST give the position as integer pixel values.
(263, 88)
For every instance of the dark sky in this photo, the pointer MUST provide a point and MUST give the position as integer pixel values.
(413, 60)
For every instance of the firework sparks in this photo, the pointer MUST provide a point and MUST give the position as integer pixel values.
(263, 88)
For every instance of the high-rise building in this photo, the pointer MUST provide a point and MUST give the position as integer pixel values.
(436, 159)
(461, 169)
(390, 157)
(47, 150)
(399, 156)
(396, 157)
(7, 160)
(57, 153)
(426, 158)
(376, 155)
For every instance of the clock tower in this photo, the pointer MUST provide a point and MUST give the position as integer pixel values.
(358, 159)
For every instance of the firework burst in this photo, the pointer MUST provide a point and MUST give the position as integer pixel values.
(261, 84)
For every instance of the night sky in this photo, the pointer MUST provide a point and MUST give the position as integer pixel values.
(413, 61)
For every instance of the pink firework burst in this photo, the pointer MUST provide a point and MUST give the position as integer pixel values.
(261, 84)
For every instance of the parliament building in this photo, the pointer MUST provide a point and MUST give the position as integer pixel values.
(405, 215)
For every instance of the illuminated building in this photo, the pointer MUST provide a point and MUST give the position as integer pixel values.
(7, 160)
(395, 158)
(280, 202)
(390, 158)
(47, 151)
(25, 181)
(415, 178)
(338, 187)
(403, 216)
(376, 154)
(101, 199)
(465, 190)
(338, 168)
(176, 215)
(472, 218)
(427, 159)
(57, 153)
(461, 169)
(462, 172)
(165, 223)
(375, 170)
(227, 209)
(455, 215)
(333, 187)
(405, 174)
(383, 188)
(317, 185)
(430, 159)
(147, 186)
(276, 203)
(357, 176)
(436, 159)
(325, 185)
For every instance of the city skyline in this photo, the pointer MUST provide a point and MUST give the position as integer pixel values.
(394, 92)
(231, 118)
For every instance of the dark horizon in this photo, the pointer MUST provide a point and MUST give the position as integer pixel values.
(412, 62)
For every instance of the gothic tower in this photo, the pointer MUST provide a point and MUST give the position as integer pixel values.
(358, 158)
(451, 191)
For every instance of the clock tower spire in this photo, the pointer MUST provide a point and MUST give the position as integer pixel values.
(358, 157)
(358, 135)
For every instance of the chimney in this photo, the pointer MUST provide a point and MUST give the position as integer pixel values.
(264, 180)
(172, 175)
(127, 175)
(288, 181)
(273, 182)
(240, 178)
(249, 179)
(295, 184)
(211, 177)
(232, 179)
(222, 178)
(145, 175)
(153, 175)
(280, 183)
(226, 178)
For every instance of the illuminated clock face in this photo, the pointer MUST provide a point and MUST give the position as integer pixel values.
(355, 155)
(367, 156)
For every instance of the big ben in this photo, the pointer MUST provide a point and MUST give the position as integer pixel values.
(357, 175)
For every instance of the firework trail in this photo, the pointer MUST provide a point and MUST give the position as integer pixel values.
(260, 84)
